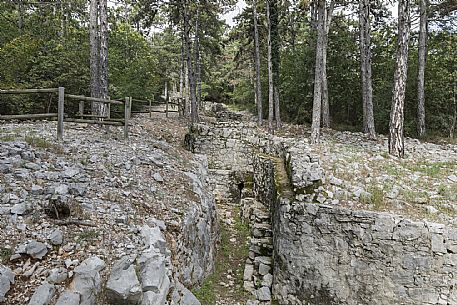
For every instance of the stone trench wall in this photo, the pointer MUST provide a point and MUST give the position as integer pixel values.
(326, 254)
(332, 255)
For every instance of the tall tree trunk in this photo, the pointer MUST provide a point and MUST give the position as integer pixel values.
(103, 64)
(365, 66)
(193, 92)
(325, 102)
(317, 100)
(275, 57)
(258, 87)
(423, 33)
(270, 73)
(182, 73)
(198, 60)
(94, 52)
(453, 124)
(396, 130)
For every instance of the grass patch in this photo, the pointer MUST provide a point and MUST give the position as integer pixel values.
(435, 169)
(5, 254)
(88, 236)
(39, 142)
(229, 256)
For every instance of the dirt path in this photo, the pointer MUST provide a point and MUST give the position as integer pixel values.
(225, 286)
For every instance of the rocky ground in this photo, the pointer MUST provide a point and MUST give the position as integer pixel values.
(61, 203)
(361, 174)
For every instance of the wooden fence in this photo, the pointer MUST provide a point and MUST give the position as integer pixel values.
(60, 115)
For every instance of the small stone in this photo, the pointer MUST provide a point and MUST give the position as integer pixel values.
(158, 177)
(56, 237)
(36, 249)
(57, 275)
(69, 298)
(264, 269)
(70, 172)
(43, 294)
(248, 272)
(6, 280)
(19, 209)
(452, 178)
(36, 190)
(61, 189)
(431, 210)
(263, 294)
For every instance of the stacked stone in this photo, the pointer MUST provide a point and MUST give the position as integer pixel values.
(257, 275)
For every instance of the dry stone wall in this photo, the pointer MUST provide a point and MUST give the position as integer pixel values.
(323, 253)
(332, 255)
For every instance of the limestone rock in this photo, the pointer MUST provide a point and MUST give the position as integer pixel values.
(68, 298)
(263, 294)
(57, 275)
(6, 280)
(123, 286)
(43, 294)
(56, 237)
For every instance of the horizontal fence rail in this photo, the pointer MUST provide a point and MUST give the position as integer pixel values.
(87, 118)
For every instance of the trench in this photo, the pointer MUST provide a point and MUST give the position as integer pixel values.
(247, 188)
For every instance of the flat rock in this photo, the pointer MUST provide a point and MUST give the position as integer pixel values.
(158, 177)
(6, 280)
(56, 237)
(57, 275)
(34, 248)
(452, 178)
(123, 286)
(263, 294)
(68, 298)
(43, 294)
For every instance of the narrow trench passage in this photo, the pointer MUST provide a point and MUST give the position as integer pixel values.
(225, 285)
(243, 274)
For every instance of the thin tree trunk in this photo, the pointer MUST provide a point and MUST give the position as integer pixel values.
(275, 58)
(270, 74)
(325, 102)
(423, 33)
(396, 126)
(182, 73)
(197, 60)
(454, 117)
(258, 87)
(20, 22)
(94, 52)
(103, 66)
(317, 100)
(193, 92)
(365, 66)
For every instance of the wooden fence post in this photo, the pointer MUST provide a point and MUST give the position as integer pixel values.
(126, 117)
(81, 108)
(60, 113)
(108, 110)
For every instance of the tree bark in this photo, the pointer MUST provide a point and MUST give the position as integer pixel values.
(182, 73)
(396, 126)
(258, 87)
(198, 60)
(423, 33)
(365, 66)
(317, 100)
(94, 52)
(325, 102)
(270, 73)
(100, 108)
(193, 92)
(275, 58)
